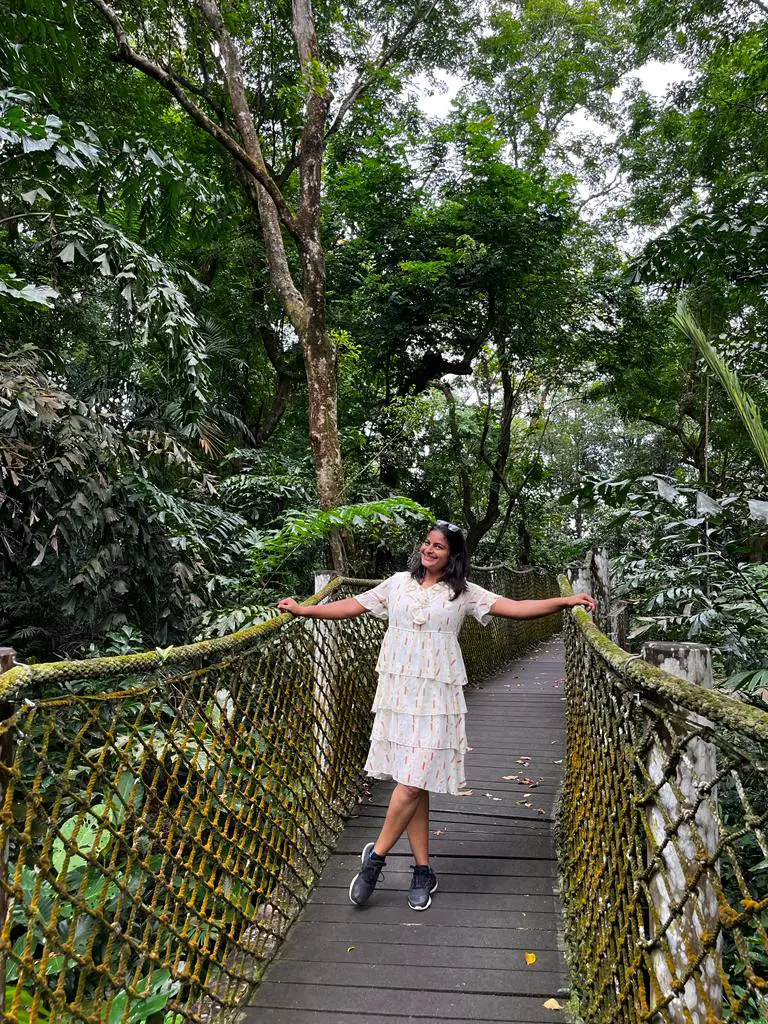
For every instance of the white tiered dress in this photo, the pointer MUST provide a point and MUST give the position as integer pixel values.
(418, 735)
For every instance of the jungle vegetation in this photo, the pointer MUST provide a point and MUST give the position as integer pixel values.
(263, 308)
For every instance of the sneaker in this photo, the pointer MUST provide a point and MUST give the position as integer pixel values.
(423, 884)
(364, 882)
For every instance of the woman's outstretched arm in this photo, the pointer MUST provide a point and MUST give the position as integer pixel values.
(506, 608)
(349, 608)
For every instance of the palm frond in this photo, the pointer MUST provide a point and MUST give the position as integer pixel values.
(745, 406)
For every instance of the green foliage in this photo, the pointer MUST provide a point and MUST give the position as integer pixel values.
(686, 570)
(744, 404)
(303, 530)
(543, 61)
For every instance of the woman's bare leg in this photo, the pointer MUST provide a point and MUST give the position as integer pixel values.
(403, 804)
(418, 831)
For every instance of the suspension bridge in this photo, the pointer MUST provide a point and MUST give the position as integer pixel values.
(178, 830)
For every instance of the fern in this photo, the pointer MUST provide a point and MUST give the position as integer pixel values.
(222, 621)
(302, 529)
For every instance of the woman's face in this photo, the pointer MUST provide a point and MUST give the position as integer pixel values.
(435, 552)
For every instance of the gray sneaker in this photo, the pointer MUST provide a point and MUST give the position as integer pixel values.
(423, 884)
(364, 882)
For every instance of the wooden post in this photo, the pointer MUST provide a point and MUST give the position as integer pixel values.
(695, 840)
(7, 657)
(579, 575)
(592, 576)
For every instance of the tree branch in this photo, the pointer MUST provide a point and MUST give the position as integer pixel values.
(125, 54)
(197, 90)
(433, 365)
(363, 81)
(610, 187)
(289, 295)
(466, 484)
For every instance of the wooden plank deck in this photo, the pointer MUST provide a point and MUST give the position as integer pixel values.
(464, 958)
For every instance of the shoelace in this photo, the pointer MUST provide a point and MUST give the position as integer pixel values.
(421, 877)
(371, 872)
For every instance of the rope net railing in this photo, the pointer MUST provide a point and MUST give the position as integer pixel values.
(663, 842)
(159, 833)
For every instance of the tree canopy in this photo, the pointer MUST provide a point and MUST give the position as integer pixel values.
(260, 310)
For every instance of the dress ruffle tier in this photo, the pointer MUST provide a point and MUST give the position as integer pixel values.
(418, 735)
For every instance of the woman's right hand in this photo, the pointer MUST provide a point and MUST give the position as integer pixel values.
(289, 605)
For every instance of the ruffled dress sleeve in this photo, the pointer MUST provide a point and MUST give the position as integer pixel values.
(479, 603)
(376, 600)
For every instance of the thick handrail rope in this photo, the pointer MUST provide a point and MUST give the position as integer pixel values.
(663, 841)
(637, 675)
(117, 666)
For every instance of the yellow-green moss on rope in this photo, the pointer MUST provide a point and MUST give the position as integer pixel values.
(661, 841)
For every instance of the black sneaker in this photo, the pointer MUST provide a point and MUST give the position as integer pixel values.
(423, 884)
(364, 882)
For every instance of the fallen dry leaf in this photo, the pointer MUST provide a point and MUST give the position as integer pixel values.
(558, 762)
(530, 958)
(350, 948)
(524, 803)
(540, 810)
(510, 778)
(439, 832)
(530, 783)
(552, 1004)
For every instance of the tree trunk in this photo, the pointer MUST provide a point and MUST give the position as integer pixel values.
(320, 362)
(238, 134)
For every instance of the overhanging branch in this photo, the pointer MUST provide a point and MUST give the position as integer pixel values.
(125, 54)
(364, 80)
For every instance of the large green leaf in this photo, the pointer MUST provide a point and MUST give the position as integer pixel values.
(744, 404)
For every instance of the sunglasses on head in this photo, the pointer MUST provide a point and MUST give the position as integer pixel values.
(449, 526)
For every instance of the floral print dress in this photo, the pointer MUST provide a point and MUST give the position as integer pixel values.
(418, 735)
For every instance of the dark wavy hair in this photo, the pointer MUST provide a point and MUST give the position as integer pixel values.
(456, 571)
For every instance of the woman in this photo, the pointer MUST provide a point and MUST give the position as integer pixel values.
(418, 736)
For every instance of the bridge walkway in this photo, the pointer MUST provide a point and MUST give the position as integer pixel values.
(464, 959)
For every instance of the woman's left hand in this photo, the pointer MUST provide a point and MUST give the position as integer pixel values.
(582, 599)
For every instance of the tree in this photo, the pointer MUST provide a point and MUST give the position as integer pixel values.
(214, 62)
(543, 62)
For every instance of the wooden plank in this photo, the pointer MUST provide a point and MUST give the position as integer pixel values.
(538, 847)
(464, 958)
(459, 828)
(465, 883)
(459, 901)
(349, 864)
(521, 981)
(448, 817)
(391, 907)
(475, 804)
(419, 932)
(405, 1003)
(272, 1015)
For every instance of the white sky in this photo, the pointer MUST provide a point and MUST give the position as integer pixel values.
(655, 77)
